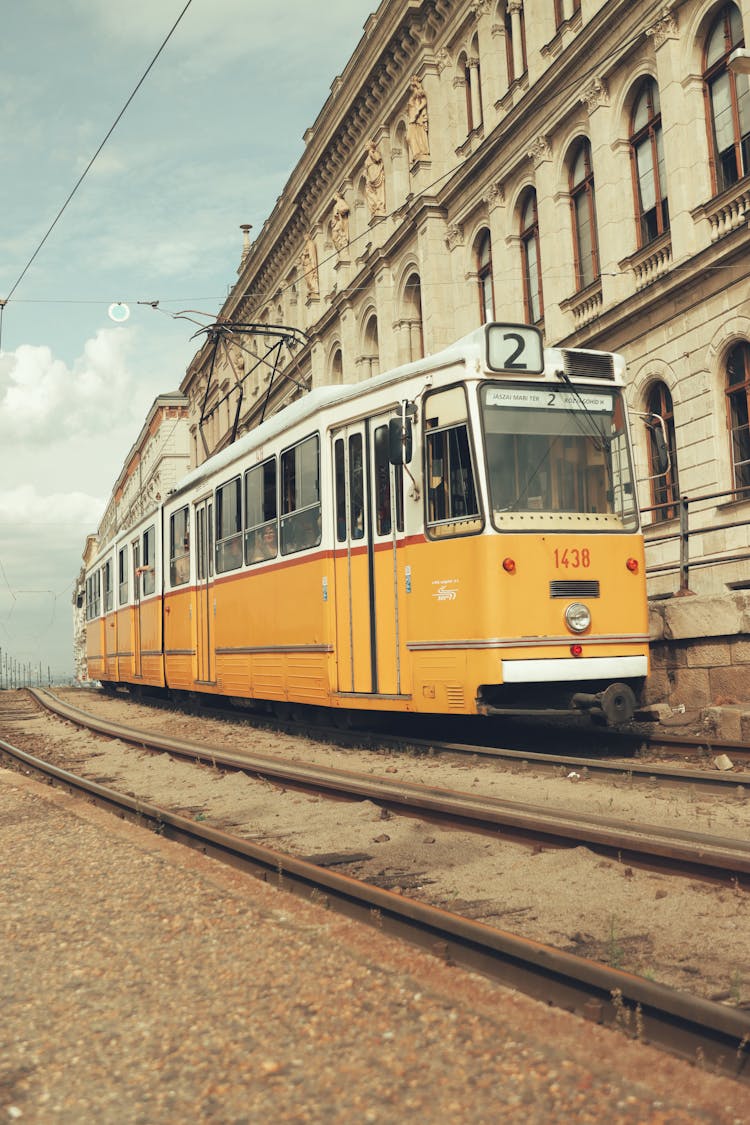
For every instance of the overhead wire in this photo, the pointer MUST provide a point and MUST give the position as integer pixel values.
(88, 167)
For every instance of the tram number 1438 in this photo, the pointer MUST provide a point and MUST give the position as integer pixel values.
(572, 558)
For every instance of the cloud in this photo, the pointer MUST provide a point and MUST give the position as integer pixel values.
(43, 399)
(23, 507)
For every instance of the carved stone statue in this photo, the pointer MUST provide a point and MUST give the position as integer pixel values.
(309, 266)
(340, 222)
(374, 180)
(418, 121)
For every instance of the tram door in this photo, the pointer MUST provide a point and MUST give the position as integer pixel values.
(204, 607)
(137, 662)
(368, 515)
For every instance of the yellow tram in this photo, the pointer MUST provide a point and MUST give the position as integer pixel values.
(459, 535)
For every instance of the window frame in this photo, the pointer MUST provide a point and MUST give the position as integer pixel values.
(665, 488)
(530, 234)
(650, 134)
(299, 524)
(228, 550)
(737, 395)
(712, 75)
(485, 280)
(179, 553)
(582, 192)
(148, 560)
(255, 549)
(452, 525)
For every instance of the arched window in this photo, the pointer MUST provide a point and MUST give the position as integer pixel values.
(531, 261)
(337, 367)
(484, 277)
(413, 317)
(665, 488)
(738, 409)
(583, 207)
(371, 353)
(728, 99)
(647, 154)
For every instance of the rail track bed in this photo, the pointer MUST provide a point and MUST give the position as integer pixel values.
(580, 902)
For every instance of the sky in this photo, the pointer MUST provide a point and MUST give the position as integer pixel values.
(207, 143)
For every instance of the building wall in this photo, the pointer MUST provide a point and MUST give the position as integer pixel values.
(512, 90)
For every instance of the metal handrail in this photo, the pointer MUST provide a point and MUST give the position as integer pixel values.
(683, 535)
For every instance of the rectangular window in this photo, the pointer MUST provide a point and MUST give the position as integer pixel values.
(93, 595)
(558, 454)
(356, 488)
(452, 502)
(339, 469)
(179, 548)
(108, 588)
(300, 496)
(149, 560)
(229, 526)
(383, 504)
(122, 575)
(261, 527)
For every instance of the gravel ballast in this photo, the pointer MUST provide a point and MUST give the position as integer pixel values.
(145, 983)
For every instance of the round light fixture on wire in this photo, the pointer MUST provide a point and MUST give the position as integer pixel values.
(119, 312)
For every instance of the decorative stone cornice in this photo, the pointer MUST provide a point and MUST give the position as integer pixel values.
(540, 151)
(665, 28)
(595, 94)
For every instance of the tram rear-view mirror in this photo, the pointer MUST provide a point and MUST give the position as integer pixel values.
(659, 447)
(399, 440)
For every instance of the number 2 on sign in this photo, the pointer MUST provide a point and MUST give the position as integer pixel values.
(572, 558)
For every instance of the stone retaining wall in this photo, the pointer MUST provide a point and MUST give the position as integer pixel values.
(700, 658)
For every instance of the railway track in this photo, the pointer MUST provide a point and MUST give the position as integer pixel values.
(689, 1026)
(674, 850)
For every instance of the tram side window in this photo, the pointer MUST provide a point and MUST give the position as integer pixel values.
(93, 595)
(452, 502)
(261, 525)
(300, 496)
(356, 487)
(383, 505)
(108, 589)
(148, 564)
(339, 469)
(122, 575)
(229, 526)
(179, 548)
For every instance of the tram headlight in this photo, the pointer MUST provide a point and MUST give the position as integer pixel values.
(577, 617)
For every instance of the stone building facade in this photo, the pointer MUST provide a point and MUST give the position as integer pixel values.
(158, 459)
(579, 164)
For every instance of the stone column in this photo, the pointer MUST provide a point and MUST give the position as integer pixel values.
(474, 90)
(515, 7)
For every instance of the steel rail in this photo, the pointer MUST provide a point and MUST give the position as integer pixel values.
(693, 1028)
(645, 844)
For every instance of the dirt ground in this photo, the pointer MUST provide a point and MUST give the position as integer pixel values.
(676, 930)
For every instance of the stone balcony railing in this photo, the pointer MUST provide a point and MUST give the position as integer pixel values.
(586, 304)
(728, 211)
(650, 262)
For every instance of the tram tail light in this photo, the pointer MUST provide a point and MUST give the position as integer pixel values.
(509, 565)
(632, 565)
(576, 650)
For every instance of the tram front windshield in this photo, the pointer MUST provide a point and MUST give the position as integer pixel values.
(555, 455)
